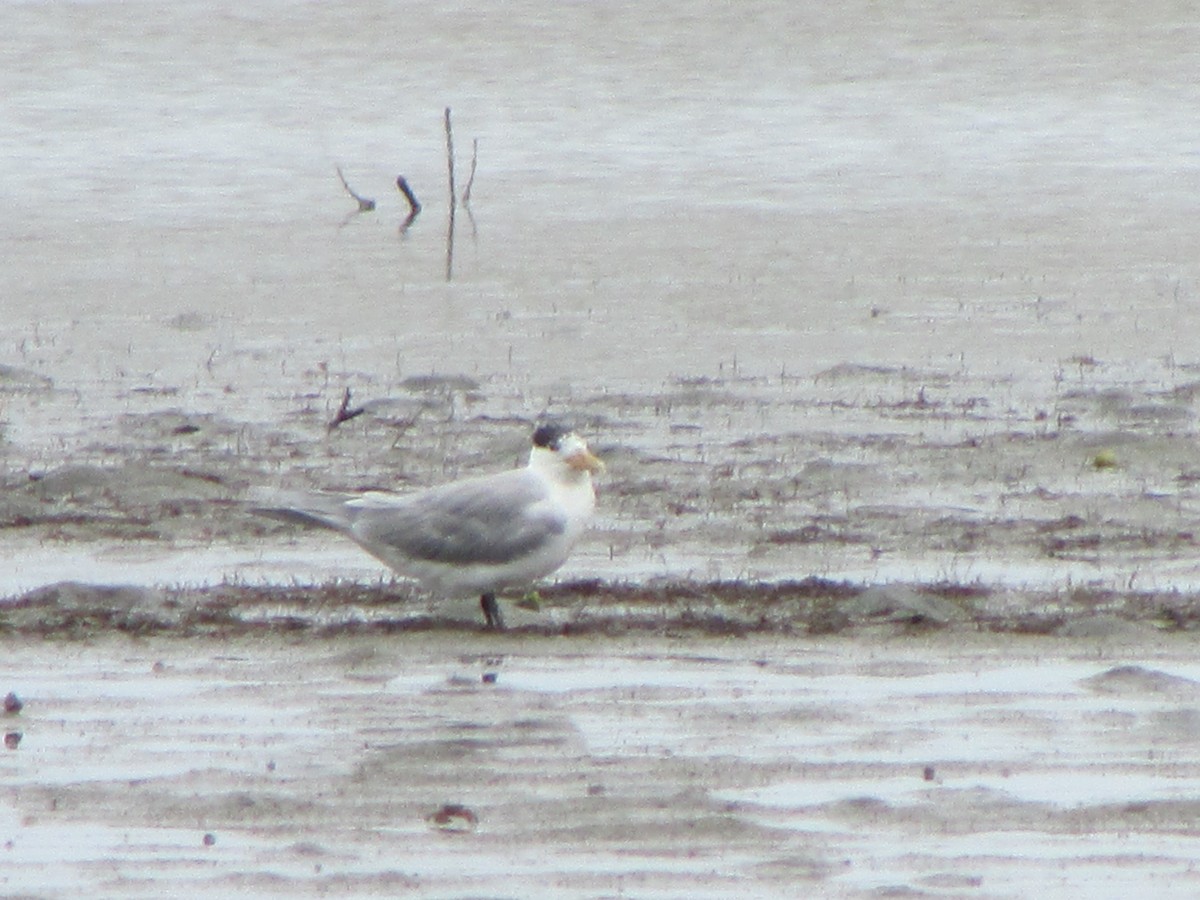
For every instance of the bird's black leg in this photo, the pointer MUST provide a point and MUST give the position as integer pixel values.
(491, 612)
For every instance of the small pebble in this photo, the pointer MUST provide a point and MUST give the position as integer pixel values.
(209, 839)
(929, 773)
(12, 703)
(13, 739)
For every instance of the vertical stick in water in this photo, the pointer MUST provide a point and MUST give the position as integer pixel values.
(453, 201)
(450, 157)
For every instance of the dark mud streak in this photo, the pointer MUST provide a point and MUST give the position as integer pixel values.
(588, 608)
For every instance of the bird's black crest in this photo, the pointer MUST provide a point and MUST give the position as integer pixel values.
(548, 434)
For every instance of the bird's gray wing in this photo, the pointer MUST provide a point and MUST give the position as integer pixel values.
(488, 521)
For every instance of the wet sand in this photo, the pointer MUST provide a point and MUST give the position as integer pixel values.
(690, 740)
(643, 766)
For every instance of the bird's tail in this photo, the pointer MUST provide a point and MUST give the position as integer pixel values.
(324, 511)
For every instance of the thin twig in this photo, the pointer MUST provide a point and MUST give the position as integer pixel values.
(453, 202)
(450, 156)
(466, 198)
(345, 413)
(365, 204)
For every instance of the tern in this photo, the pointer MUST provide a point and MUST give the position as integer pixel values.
(479, 535)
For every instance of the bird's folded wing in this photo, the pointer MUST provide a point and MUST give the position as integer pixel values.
(490, 521)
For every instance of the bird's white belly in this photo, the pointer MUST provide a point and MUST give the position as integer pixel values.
(463, 579)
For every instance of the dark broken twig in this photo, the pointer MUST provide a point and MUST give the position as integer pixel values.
(345, 413)
(414, 205)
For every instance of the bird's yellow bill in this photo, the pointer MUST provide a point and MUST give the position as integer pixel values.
(585, 461)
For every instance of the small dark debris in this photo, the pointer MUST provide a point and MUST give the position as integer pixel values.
(209, 477)
(489, 677)
(12, 740)
(439, 383)
(209, 839)
(453, 817)
(929, 774)
(12, 703)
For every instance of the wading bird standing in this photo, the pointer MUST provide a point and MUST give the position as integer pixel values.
(476, 536)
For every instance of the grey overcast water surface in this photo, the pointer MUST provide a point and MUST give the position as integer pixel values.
(886, 294)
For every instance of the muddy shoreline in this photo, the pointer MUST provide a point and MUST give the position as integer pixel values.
(861, 474)
(811, 608)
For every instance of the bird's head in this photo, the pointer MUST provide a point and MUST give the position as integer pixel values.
(567, 446)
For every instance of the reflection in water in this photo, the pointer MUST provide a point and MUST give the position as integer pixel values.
(450, 242)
